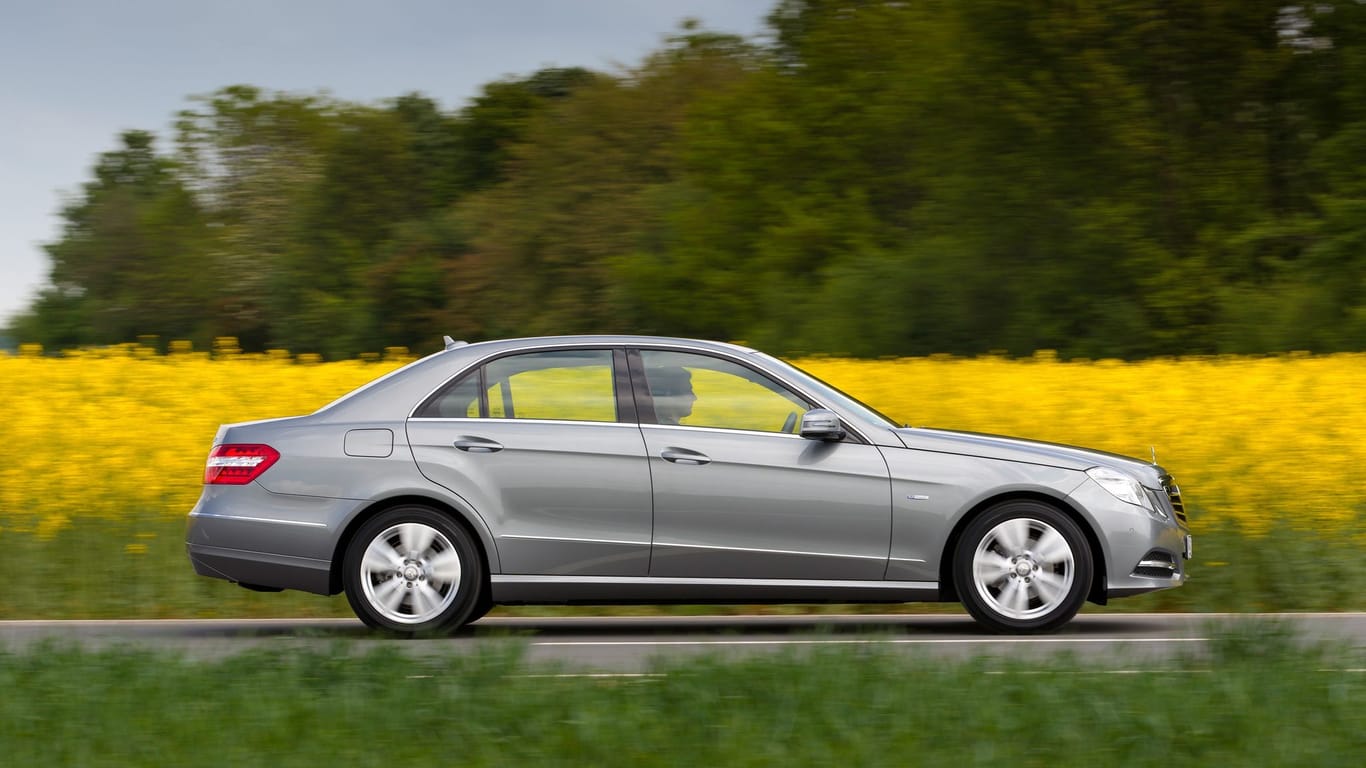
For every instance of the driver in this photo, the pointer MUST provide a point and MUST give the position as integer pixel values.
(671, 390)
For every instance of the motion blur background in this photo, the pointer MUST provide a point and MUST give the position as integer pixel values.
(1118, 223)
(1115, 223)
(1106, 179)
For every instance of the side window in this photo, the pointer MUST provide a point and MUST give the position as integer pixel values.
(700, 391)
(460, 400)
(571, 385)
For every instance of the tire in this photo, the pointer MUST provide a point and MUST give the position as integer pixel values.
(481, 606)
(413, 570)
(1022, 567)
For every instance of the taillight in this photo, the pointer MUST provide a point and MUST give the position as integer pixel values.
(238, 463)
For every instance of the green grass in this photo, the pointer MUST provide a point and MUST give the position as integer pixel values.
(136, 568)
(129, 569)
(1254, 697)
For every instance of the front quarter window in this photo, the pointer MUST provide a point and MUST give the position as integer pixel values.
(457, 401)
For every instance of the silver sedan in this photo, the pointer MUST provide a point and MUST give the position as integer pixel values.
(628, 469)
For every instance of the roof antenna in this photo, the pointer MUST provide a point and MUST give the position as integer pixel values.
(452, 343)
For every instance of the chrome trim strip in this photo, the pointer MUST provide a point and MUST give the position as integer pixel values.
(487, 356)
(752, 365)
(569, 422)
(1158, 564)
(767, 551)
(722, 430)
(680, 345)
(906, 559)
(243, 518)
(575, 540)
(499, 578)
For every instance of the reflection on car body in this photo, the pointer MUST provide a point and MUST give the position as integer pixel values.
(629, 469)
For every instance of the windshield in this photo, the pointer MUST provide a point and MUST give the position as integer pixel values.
(833, 393)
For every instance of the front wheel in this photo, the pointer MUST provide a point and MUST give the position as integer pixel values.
(413, 569)
(1022, 567)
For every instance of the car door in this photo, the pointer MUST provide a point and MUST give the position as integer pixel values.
(738, 493)
(544, 446)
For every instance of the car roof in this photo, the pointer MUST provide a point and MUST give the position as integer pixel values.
(418, 378)
(605, 340)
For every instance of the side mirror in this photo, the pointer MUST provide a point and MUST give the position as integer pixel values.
(820, 424)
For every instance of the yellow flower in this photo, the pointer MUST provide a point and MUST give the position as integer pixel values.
(118, 434)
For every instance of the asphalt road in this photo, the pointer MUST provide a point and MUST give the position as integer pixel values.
(627, 645)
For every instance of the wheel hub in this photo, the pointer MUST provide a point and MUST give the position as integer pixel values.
(410, 573)
(1023, 569)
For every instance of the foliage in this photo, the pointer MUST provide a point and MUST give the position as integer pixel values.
(133, 566)
(102, 455)
(340, 703)
(1257, 442)
(1119, 178)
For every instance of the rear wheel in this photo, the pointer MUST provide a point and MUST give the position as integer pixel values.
(413, 569)
(1022, 567)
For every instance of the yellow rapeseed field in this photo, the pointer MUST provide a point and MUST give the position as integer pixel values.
(122, 433)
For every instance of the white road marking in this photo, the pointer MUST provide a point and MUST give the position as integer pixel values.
(775, 618)
(594, 675)
(1040, 672)
(870, 641)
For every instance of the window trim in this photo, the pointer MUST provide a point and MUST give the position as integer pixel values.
(628, 408)
(854, 430)
(622, 406)
(646, 402)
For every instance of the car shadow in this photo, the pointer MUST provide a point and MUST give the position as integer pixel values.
(828, 625)
(926, 625)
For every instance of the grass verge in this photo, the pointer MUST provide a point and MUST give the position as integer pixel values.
(136, 568)
(1255, 697)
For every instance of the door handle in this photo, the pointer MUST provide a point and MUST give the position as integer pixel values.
(477, 445)
(684, 456)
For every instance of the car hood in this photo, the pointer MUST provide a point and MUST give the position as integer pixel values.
(1028, 451)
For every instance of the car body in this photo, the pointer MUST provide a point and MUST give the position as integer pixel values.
(633, 469)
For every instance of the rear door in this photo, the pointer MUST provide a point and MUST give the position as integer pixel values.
(544, 445)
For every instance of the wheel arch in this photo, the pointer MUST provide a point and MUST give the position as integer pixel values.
(948, 592)
(475, 527)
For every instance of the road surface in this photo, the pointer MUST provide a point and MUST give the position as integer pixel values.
(628, 645)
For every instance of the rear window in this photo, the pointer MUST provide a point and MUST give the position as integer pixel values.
(565, 385)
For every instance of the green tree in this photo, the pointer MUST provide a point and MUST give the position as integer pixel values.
(587, 189)
(497, 119)
(127, 261)
(255, 159)
(1115, 177)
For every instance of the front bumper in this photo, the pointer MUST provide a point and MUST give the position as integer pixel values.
(1142, 552)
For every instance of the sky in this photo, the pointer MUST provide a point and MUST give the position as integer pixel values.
(74, 74)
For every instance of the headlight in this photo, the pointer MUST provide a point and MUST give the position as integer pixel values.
(1121, 486)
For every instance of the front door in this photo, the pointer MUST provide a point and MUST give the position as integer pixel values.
(738, 494)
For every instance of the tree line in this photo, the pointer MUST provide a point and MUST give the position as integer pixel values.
(1112, 178)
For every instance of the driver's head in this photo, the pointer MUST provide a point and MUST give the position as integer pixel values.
(671, 390)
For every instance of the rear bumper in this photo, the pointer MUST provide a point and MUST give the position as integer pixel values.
(261, 569)
(248, 535)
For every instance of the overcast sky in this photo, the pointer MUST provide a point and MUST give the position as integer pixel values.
(75, 73)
